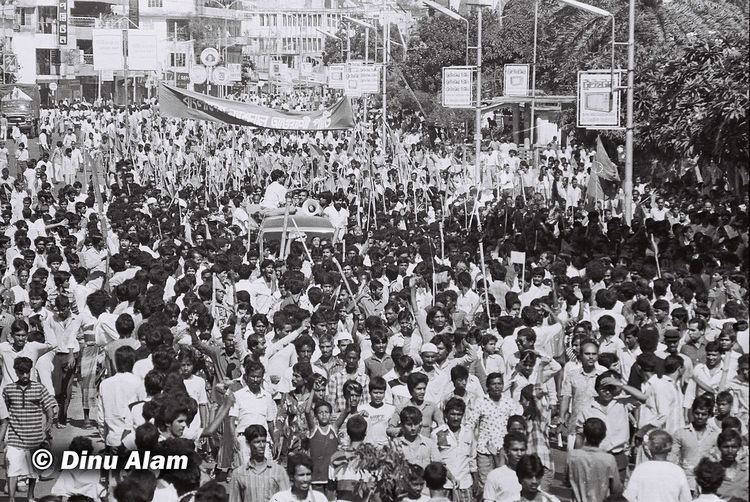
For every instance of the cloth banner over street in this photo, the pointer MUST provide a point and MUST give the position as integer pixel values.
(181, 103)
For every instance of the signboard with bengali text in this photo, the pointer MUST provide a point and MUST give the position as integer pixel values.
(598, 107)
(336, 76)
(62, 22)
(107, 45)
(516, 80)
(141, 50)
(458, 87)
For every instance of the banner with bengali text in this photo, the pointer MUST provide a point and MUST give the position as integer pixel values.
(181, 103)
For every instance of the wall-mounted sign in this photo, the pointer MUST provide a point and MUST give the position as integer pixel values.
(62, 22)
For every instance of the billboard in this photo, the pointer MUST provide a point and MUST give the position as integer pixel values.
(108, 49)
(336, 76)
(516, 80)
(142, 54)
(458, 87)
(598, 107)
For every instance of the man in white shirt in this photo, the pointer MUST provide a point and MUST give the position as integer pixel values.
(338, 215)
(659, 213)
(658, 479)
(116, 394)
(252, 406)
(502, 483)
(275, 192)
(506, 180)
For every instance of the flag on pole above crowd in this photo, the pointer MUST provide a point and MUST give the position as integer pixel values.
(604, 179)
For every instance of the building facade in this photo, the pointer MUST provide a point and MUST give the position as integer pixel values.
(52, 40)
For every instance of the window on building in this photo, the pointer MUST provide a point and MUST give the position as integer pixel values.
(262, 18)
(235, 28)
(47, 20)
(25, 16)
(177, 30)
(178, 59)
(272, 20)
(48, 61)
(155, 3)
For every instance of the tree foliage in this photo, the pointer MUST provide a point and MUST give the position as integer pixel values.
(387, 471)
(206, 32)
(335, 50)
(694, 103)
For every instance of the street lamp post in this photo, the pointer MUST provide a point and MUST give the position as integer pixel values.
(581, 6)
(478, 109)
(386, 40)
(367, 27)
(628, 184)
(629, 124)
(453, 15)
(224, 39)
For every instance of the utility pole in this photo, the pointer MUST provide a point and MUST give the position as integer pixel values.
(386, 37)
(174, 70)
(532, 125)
(367, 60)
(126, 12)
(478, 111)
(628, 184)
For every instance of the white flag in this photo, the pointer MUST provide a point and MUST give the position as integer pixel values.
(517, 257)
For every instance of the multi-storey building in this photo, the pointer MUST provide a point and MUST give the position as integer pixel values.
(291, 33)
(294, 32)
(52, 40)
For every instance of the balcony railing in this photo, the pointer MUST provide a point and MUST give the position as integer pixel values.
(82, 22)
(48, 70)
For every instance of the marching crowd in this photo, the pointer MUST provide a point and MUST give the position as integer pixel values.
(435, 332)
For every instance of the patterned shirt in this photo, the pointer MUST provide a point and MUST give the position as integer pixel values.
(333, 365)
(27, 408)
(257, 482)
(335, 390)
(491, 417)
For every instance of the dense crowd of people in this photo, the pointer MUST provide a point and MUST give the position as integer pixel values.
(436, 332)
